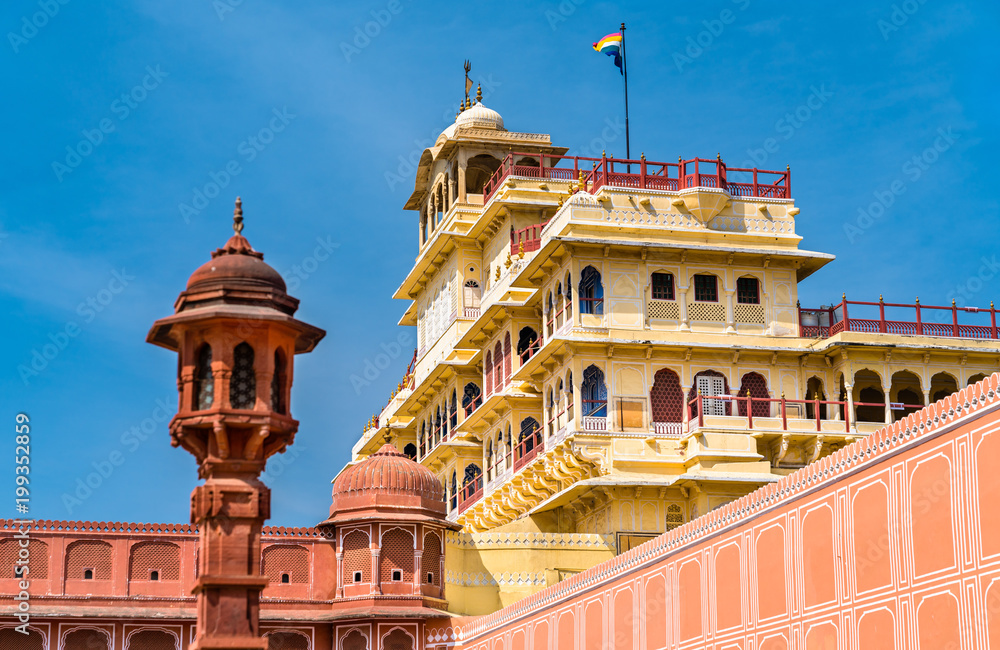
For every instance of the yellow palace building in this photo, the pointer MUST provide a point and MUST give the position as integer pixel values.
(610, 348)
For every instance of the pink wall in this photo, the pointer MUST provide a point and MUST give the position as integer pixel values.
(893, 542)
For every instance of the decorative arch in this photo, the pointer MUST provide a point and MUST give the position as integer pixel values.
(710, 383)
(285, 563)
(355, 639)
(976, 378)
(396, 556)
(357, 557)
(814, 391)
(88, 555)
(527, 343)
(488, 372)
(430, 561)
(471, 295)
(666, 398)
(243, 384)
(868, 384)
(39, 552)
(36, 639)
(594, 392)
(498, 380)
(287, 640)
(410, 451)
(755, 385)
(398, 639)
(506, 358)
(152, 639)
(83, 638)
(453, 410)
(163, 558)
(942, 385)
(478, 171)
(472, 398)
(748, 290)
(905, 389)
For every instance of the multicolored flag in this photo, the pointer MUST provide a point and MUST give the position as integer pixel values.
(612, 46)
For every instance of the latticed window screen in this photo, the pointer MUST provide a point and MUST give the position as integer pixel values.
(755, 385)
(11, 638)
(83, 640)
(278, 384)
(243, 385)
(152, 640)
(287, 641)
(675, 516)
(666, 398)
(397, 555)
(88, 555)
(749, 314)
(357, 557)
(38, 559)
(161, 557)
(663, 286)
(397, 640)
(354, 640)
(205, 388)
(281, 558)
(748, 291)
(665, 309)
(706, 288)
(430, 561)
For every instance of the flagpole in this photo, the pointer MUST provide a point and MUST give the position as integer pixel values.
(628, 150)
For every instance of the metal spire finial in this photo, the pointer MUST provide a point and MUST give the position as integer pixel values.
(238, 216)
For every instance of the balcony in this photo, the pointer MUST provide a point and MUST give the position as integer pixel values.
(470, 494)
(918, 320)
(645, 174)
(526, 240)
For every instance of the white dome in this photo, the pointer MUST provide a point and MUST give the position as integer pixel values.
(480, 117)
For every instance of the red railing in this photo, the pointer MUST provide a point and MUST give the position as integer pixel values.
(527, 449)
(645, 174)
(471, 492)
(832, 320)
(533, 347)
(747, 403)
(528, 239)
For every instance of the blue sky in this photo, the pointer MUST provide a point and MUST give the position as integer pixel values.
(95, 244)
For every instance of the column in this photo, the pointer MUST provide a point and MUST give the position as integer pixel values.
(682, 305)
(730, 314)
(418, 570)
(849, 389)
(888, 410)
(376, 574)
(340, 574)
(462, 198)
(423, 227)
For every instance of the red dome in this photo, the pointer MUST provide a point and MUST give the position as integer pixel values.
(236, 264)
(387, 485)
(388, 472)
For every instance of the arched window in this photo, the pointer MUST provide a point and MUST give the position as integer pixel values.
(289, 641)
(471, 294)
(430, 561)
(748, 291)
(498, 367)
(396, 556)
(80, 639)
(506, 358)
(872, 408)
(488, 372)
(278, 383)
(436, 438)
(152, 640)
(591, 292)
(569, 296)
(570, 405)
(410, 451)
(472, 398)
(471, 483)
(529, 437)
(285, 563)
(550, 316)
(160, 558)
(454, 489)
(478, 171)
(594, 393)
(666, 398)
(490, 474)
(706, 288)
(662, 286)
(527, 344)
(204, 388)
(814, 391)
(357, 561)
(754, 385)
(508, 448)
(243, 385)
